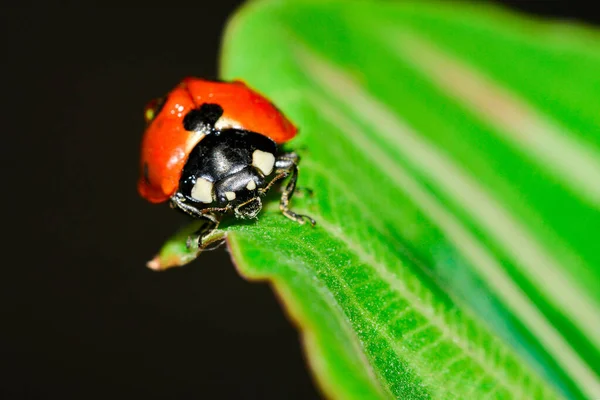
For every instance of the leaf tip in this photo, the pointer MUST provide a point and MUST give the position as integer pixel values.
(154, 264)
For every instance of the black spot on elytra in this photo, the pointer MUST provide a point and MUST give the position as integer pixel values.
(205, 116)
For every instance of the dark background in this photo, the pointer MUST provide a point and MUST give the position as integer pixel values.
(80, 315)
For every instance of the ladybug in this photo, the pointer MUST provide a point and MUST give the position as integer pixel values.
(212, 148)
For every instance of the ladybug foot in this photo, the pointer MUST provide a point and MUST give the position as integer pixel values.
(299, 218)
(195, 241)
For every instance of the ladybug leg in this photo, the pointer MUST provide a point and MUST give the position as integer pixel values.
(178, 202)
(300, 191)
(212, 222)
(213, 216)
(286, 197)
(283, 165)
(209, 214)
(277, 178)
(287, 165)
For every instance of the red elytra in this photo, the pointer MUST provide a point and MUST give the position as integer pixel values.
(166, 145)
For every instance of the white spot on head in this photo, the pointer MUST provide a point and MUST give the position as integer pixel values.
(230, 195)
(251, 185)
(202, 190)
(263, 161)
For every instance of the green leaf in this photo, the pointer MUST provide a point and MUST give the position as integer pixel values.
(453, 152)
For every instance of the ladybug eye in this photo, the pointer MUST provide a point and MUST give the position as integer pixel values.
(154, 108)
